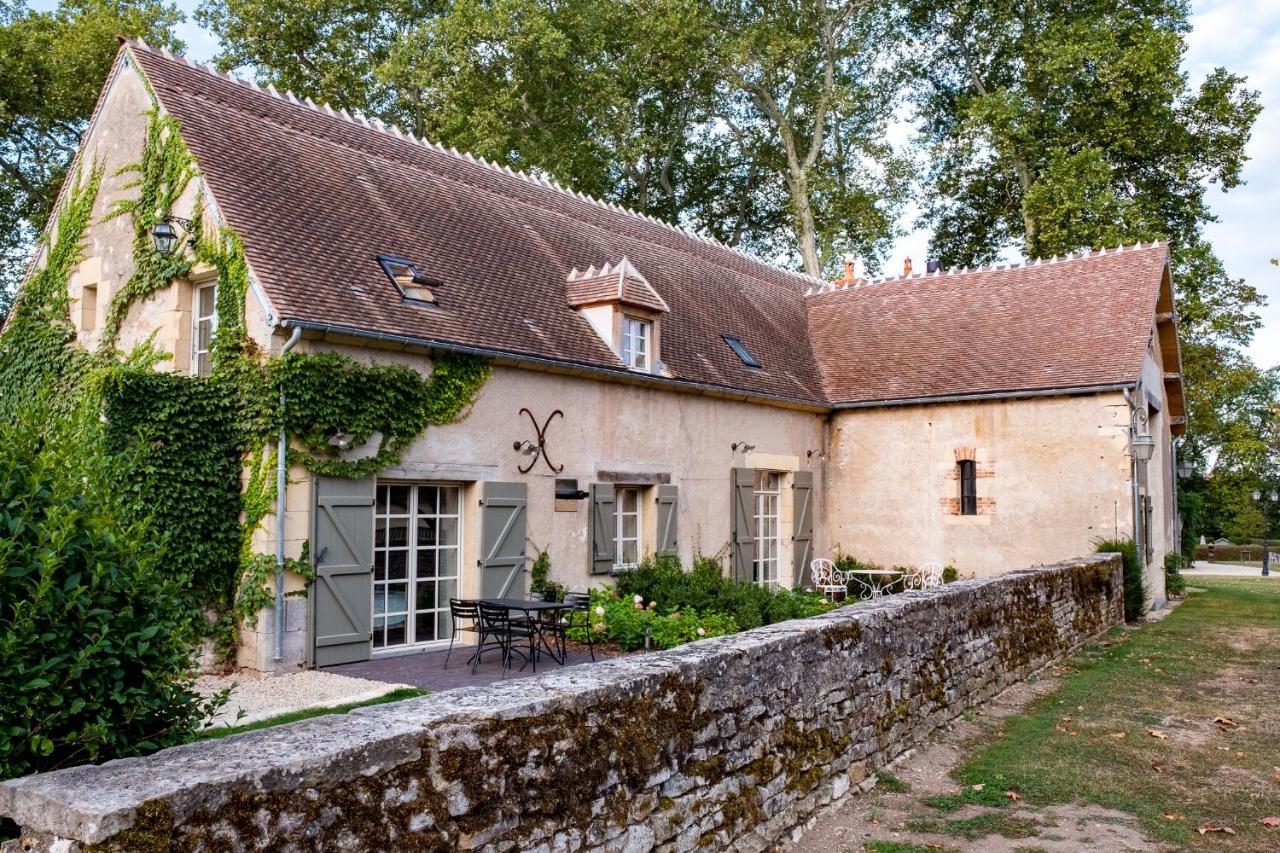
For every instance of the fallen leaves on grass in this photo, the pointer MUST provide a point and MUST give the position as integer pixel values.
(1208, 827)
(1117, 734)
(1174, 816)
(1156, 733)
(1270, 822)
(979, 786)
(1156, 767)
(1013, 795)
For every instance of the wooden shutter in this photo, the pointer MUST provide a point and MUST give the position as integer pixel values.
(603, 529)
(743, 519)
(668, 520)
(503, 530)
(801, 524)
(341, 598)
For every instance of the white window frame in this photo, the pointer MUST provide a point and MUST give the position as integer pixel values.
(621, 513)
(197, 319)
(637, 342)
(410, 611)
(768, 524)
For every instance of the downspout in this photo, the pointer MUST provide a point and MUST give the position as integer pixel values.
(1176, 445)
(282, 475)
(1135, 496)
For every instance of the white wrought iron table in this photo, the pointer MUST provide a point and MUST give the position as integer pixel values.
(870, 590)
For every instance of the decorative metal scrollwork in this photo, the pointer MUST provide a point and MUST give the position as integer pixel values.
(538, 450)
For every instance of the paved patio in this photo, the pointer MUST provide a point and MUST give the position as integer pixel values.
(425, 670)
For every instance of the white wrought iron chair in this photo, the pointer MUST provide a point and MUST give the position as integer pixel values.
(828, 579)
(927, 576)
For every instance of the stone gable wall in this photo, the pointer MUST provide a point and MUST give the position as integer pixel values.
(727, 742)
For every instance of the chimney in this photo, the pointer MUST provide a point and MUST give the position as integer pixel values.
(848, 268)
(933, 265)
(906, 267)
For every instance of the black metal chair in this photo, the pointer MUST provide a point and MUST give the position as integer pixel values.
(460, 611)
(497, 630)
(576, 614)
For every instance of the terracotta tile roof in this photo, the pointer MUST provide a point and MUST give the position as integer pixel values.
(316, 197)
(1075, 322)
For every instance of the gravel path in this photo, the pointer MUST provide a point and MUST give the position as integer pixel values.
(263, 697)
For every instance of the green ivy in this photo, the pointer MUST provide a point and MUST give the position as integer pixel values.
(35, 351)
(206, 475)
(328, 393)
(165, 171)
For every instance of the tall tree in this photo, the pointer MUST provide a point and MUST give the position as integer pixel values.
(52, 65)
(1060, 126)
(809, 91)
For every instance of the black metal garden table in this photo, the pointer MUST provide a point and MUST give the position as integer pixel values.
(533, 610)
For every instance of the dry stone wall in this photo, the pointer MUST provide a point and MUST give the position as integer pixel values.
(727, 742)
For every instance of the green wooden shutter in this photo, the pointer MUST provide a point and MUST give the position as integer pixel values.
(801, 524)
(603, 529)
(503, 530)
(341, 597)
(668, 520)
(743, 520)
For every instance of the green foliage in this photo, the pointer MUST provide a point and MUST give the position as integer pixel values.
(1175, 583)
(950, 574)
(329, 393)
(95, 645)
(35, 352)
(1190, 510)
(52, 64)
(627, 622)
(539, 581)
(163, 173)
(705, 589)
(1136, 596)
(185, 475)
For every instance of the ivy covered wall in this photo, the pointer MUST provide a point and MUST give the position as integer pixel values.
(205, 477)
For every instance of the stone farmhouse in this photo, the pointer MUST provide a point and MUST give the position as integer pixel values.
(652, 391)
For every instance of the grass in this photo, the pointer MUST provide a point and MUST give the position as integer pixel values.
(886, 780)
(897, 847)
(307, 713)
(979, 826)
(1217, 655)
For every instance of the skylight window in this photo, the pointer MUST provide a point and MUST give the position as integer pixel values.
(413, 286)
(735, 343)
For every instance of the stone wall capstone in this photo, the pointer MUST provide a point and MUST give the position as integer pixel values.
(730, 742)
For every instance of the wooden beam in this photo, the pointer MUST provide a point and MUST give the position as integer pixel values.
(1173, 377)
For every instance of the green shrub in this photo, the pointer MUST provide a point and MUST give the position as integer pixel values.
(1175, 583)
(1136, 595)
(705, 589)
(96, 648)
(625, 621)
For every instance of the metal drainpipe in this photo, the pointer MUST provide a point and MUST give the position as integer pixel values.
(282, 477)
(1130, 397)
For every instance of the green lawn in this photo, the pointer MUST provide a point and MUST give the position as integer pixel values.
(1215, 656)
(294, 716)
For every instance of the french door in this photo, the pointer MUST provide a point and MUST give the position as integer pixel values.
(416, 561)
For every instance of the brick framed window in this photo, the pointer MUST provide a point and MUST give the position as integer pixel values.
(967, 473)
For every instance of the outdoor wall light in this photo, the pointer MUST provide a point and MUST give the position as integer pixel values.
(165, 237)
(526, 448)
(341, 440)
(743, 446)
(1142, 447)
(1185, 469)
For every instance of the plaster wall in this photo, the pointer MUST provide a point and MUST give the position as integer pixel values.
(1053, 475)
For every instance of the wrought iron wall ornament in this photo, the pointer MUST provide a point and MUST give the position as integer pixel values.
(538, 450)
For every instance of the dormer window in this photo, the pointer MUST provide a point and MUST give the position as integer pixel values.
(413, 286)
(740, 349)
(637, 337)
(623, 309)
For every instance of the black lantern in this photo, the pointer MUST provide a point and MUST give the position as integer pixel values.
(165, 237)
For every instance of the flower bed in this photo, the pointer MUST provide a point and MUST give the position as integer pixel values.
(671, 606)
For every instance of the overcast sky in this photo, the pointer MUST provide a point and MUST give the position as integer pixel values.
(1244, 36)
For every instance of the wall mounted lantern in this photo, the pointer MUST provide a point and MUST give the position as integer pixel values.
(165, 236)
(743, 446)
(1142, 447)
(1185, 469)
